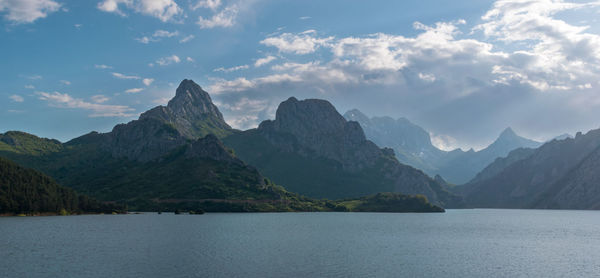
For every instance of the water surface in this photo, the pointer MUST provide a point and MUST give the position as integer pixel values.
(458, 243)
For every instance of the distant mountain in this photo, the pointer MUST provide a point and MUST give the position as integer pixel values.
(561, 174)
(26, 191)
(412, 145)
(313, 150)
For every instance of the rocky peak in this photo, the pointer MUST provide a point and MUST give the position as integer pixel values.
(191, 112)
(356, 115)
(317, 126)
(191, 101)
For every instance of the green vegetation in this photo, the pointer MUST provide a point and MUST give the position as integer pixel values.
(26, 191)
(390, 202)
(172, 183)
(25, 143)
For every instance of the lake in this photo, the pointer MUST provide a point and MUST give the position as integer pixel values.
(458, 243)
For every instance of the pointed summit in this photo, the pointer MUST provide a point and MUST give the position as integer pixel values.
(508, 133)
(191, 112)
(190, 101)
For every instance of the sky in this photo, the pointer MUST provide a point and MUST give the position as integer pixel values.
(463, 70)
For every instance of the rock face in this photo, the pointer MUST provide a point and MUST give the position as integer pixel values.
(189, 116)
(413, 146)
(311, 149)
(191, 112)
(561, 174)
(316, 125)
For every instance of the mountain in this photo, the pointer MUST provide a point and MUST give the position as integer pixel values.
(191, 112)
(313, 150)
(160, 161)
(26, 191)
(412, 145)
(561, 174)
(170, 158)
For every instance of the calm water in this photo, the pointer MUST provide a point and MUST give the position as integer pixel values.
(459, 243)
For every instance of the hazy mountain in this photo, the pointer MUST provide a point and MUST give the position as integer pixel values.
(412, 145)
(313, 150)
(561, 174)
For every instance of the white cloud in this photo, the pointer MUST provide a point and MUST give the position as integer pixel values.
(189, 59)
(29, 87)
(65, 82)
(221, 69)
(520, 64)
(304, 17)
(224, 18)
(186, 39)
(102, 67)
(100, 98)
(147, 81)
(146, 40)
(165, 10)
(134, 90)
(427, 77)
(16, 98)
(34, 77)
(78, 26)
(208, 4)
(27, 11)
(123, 76)
(302, 43)
(264, 61)
(60, 100)
(165, 34)
(165, 61)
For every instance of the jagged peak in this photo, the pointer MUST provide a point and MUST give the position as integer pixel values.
(508, 132)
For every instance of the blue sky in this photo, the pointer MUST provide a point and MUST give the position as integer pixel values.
(464, 70)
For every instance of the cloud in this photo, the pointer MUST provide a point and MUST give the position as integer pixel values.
(123, 76)
(65, 82)
(208, 4)
(304, 17)
(224, 18)
(189, 59)
(146, 40)
(264, 61)
(165, 61)
(520, 66)
(60, 100)
(221, 69)
(156, 37)
(100, 98)
(302, 43)
(165, 34)
(186, 39)
(164, 10)
(134, 90)
(16, 98)
(102, 67)
(147, 81)
(27, 11)
(29, 87)
(34, 77)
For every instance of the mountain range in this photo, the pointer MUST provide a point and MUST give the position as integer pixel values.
(311, 149)
(172, 157)
(412, 145)
(561, 174)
